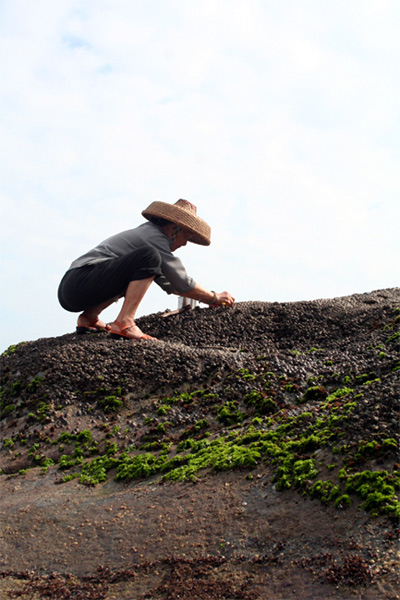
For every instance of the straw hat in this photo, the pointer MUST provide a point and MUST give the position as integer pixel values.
(184, 214)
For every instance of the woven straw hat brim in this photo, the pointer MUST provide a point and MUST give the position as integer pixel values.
(200, 229)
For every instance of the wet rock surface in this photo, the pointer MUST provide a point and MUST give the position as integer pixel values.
(251, 452)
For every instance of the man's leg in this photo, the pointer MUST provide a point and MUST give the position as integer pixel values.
(93, 288)
(90, 317)
(125, 320)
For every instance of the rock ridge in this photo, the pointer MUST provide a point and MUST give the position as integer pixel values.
(245, 445)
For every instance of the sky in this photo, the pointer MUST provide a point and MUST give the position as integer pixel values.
(278, 119)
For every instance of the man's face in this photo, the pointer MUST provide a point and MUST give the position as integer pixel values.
(182, 239)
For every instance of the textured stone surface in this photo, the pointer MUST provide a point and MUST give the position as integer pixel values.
(227, 534)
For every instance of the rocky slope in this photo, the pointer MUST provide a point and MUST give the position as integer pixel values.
(251, 452)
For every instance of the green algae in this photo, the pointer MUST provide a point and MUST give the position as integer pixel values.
(228, 414)
(12, 348)
(263, 404)
(268, 431)
(284, 446)
(313, 393)
(377, 489)
(111, 403)
(394, 338)
(339, 394)
(343, 501)
(325, 490)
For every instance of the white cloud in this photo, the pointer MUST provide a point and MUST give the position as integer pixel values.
(280, 120)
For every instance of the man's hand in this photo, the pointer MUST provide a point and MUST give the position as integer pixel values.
(223, 299)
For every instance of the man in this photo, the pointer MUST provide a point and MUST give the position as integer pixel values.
(126, 264)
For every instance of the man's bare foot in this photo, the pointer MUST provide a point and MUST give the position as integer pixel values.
(91, 323)
(131, 332)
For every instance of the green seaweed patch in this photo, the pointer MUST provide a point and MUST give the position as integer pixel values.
(34, 384)
(38, 458)
(84, 446)
(157, 445)
(8, 443)
(314, 393)
(217, 455)
(42, 411)
(244, 373)
(340, 393)
(229, 414)
(16, 388)
(295, 473)
(394, 338)
(95, 471)
(343, 501)
(26, 392)
(374, 448)
(66, 461)
(111, 403)
(377, 489)
(46, 463)
(363, 378)
(12, 348)
(377, 380)
(349, 407)
(291, 388)
(82, 437)
(262, 404)
(287, 444)
(189, 398)
(195, 430)
(69, 477)
(326, 490)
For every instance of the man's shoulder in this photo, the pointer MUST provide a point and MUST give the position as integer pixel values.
(153, 234)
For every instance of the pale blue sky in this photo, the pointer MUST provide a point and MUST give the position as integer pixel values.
(279, 119)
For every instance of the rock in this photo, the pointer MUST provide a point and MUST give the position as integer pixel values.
(268, 407)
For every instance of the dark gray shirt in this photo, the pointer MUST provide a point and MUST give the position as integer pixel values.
(174, 277)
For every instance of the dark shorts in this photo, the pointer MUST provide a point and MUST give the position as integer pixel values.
(91, 285)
